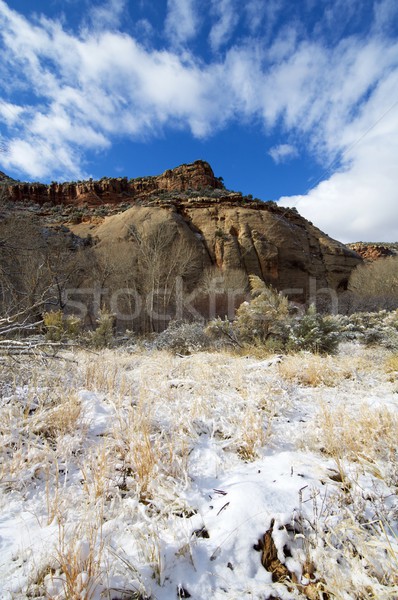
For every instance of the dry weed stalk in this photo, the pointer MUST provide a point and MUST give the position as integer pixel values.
(106, 374)
(147, 454)
(98, 472)
(315, 370)
(78, 558)
(254, 434)
(367, 435)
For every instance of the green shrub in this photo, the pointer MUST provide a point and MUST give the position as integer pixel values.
(104, 334)
(265, 316)
(59, 326)
(315, 332)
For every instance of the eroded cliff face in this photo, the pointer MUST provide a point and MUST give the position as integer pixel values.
(223, 230)
(195, 176)
(277, 244)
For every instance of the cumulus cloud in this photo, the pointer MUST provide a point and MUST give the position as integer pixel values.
(359, 201)
(282, 153)
(94, 86)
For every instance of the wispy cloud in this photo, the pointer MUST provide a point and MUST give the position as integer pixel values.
(182, 22)
(107, 15)
(283, 153)
(226, 15)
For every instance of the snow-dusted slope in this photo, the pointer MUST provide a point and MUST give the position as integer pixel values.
(143, 475)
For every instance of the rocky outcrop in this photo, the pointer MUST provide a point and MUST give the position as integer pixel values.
(195, 176)
(371, 252)
(5, 179)
(224, 231)
(231, 235)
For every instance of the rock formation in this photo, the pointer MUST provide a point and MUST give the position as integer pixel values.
(371, 252)
(198, 175)
(227, 231)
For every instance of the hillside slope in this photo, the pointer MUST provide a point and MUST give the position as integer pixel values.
(217, 233)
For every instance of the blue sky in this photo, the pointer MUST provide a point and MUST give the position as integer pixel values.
(289, 100)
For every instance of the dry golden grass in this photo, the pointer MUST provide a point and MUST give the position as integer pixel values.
(254, 434)
(391, 366)
(57, 418)
(78, 569)
(162, 405)
(105, 374)
(313, 370)
(97, 468)
(145, 453)
(361, 562)
(366, 435)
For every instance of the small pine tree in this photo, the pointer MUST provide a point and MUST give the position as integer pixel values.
(104, 334)
(59, 326)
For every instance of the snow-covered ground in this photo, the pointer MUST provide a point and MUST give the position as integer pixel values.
(145, 475)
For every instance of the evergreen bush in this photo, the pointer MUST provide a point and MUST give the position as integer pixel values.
(104, 334)
(265, 316)
(315, 332)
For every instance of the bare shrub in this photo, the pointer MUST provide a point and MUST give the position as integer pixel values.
(183, 338)
(375, 284)
(164, 258)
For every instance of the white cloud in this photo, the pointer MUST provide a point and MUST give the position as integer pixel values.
(94, 86)
(360, 201)
(90, 86)
(385, 12)
(10, 113)
(282, 153)
(182, 22)
(227, 15)
(273, 9)
(255, 10)
(107, 15)
(39, 158)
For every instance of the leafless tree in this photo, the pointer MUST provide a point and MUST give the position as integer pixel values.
(36, 266)
(164, 256)
(375, 285)
(220, 292)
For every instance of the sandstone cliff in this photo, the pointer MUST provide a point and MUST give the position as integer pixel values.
(224, 230)
(260, 238)
(371, 252)
(195, 176)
